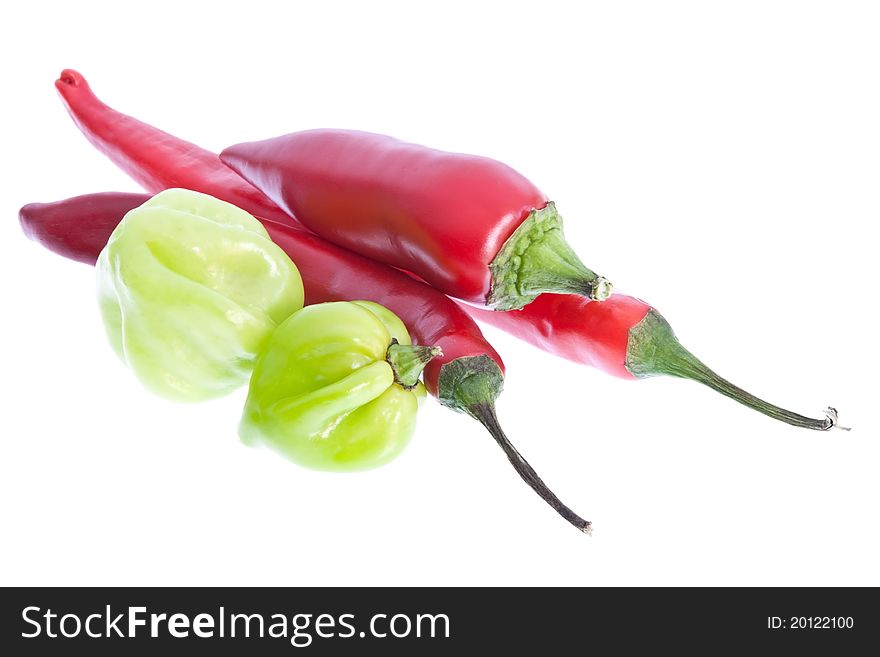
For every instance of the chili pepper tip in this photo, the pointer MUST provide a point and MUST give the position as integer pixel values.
(70, 78)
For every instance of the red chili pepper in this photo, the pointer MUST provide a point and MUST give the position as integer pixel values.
(468, 377)
(625, 337)
(470, 226)
(96, 217)
(155, 159)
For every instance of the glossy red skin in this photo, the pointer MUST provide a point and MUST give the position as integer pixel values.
(443, 216)
(575, 328)
(80, 227)
(96, 215)
(333, 274)
(158, 160)
(155, 159)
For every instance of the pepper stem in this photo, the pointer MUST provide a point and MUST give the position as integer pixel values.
(485, 414)
(408, 360)
(537, 259)
(654, 350)
(471, 385)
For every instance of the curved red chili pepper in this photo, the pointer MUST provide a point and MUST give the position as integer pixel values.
(626, 337)
(468, 377)
(153, 158)
(470, 226)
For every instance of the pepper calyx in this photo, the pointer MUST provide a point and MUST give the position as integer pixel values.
(468, 382)
(535, 259)
(408, 361)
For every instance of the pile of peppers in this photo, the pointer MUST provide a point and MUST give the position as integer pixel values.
(338, 274)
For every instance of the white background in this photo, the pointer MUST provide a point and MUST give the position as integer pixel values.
(720, 160)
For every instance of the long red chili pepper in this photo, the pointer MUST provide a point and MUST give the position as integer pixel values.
(626, 337)
(468, 377)
(146, 153)
(470, 226)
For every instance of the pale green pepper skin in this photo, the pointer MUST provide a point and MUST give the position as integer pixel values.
(322, 393)
(190, 288)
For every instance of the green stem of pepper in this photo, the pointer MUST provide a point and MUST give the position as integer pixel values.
(537, 259)
(408, 361)
(654, 350)
(471, 385)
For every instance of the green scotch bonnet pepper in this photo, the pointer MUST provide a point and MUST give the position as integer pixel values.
(190, 289)
(337, 387)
